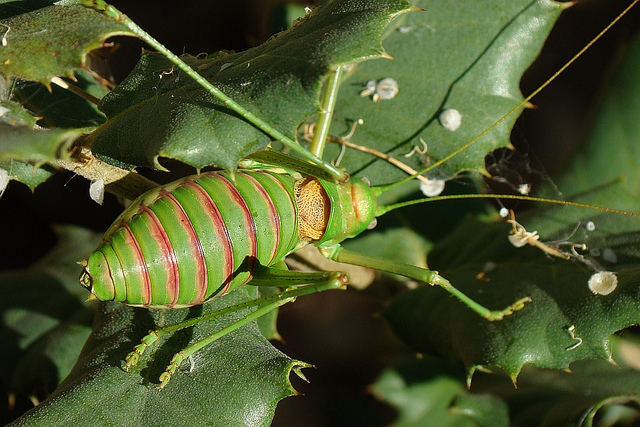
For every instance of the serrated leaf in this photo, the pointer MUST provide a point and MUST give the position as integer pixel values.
(565, 322)
(158, 111)
(24, 147)
(237, 380)
(26, 173)
(36, 146)
(471, 61)
(563, 312)
(60, 108)
(14, 114)
(39, 43)
(555, 398)
(431, 391)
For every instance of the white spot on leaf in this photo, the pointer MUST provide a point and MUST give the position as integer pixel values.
(385, 89)
(450, 119)
(432, 188)
(603, 282)
(524, 189)
(96, 191)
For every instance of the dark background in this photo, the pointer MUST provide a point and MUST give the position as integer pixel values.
(335, 331)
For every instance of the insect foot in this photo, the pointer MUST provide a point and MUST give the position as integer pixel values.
(176, 360)
(516, 306)
(133, 358)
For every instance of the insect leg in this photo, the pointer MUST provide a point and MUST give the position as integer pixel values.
(315, 282)
(337, 253)
(324, 118)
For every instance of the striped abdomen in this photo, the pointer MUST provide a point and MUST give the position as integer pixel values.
(195, 238)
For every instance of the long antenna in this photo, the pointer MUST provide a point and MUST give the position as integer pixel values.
(381, 210)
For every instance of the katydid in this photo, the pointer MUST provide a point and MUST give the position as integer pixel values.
(203, 236)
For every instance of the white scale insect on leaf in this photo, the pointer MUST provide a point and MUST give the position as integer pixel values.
(432, 187)
(603, 282)
(384, 89)
(524, 189)
(96, 191)
(450, 119)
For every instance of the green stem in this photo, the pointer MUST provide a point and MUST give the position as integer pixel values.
(327, 107)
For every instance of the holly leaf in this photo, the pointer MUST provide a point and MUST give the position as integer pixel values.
(430, 392)
(39, 43)
(236, 380)
(471, 63)
(279, 81)
(44, 318)
(564, 322)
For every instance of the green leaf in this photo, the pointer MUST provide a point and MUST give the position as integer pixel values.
(431, 392)
(26, 173)
(36, 146)
(14, 114)
(593, 388)
(611, 150)
(280, 81)
(61, 117)
(39, 43)
(540, 333)
(65, 115)
(44, 318)
(563, 312)
(471, 61)
(60, 108)
(237, 380)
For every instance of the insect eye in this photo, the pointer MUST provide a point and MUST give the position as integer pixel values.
(86, 279)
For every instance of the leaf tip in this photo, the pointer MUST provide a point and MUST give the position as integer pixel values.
(514, 380)
(297, 368)
(385, 55)
(472, 370)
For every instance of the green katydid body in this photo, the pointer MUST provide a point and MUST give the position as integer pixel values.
(203, 236)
